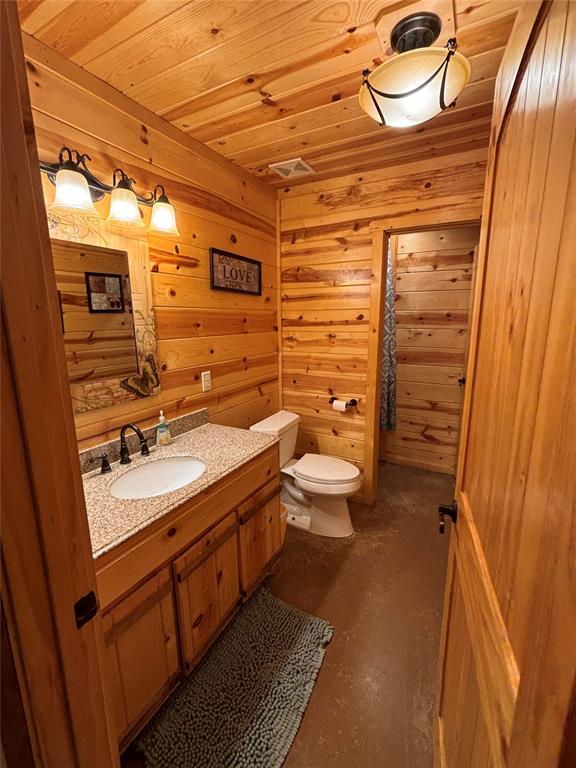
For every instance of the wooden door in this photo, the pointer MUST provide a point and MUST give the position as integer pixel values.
(508, 660)
(142, 650)
(47, 561)
(433, 272)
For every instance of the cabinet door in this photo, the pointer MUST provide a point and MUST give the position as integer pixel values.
(227, 576)
(272, 525)
(207, 586)
(252, 549)
(141, 650)
(259, 533)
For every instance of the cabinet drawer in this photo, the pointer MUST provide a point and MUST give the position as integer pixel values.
(123, 568)
(207, 586)
(141, 643)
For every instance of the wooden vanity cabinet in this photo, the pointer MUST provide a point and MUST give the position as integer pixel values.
(207, 587)
(260, 539)
(141, 640)
(169, 591)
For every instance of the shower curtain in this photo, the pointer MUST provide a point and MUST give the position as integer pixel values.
(388, 368)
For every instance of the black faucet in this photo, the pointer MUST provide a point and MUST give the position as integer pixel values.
(124, 455)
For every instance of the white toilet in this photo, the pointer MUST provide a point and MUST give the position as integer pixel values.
(315, 488)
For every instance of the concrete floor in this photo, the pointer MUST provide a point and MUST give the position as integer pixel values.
(382, 590)
(373, 702)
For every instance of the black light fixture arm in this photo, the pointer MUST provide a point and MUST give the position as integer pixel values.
(159, 197)
(126, 182)
(72, 160)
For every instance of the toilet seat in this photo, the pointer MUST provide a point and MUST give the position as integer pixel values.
(325, 470)
(334, 490)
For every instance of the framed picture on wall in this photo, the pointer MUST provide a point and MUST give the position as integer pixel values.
(230, 272)
(104, 292)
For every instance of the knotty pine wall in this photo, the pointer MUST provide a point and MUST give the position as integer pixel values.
(329, 281)
(232, 335)
(434, 273)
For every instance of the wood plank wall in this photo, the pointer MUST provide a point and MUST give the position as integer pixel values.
(234, 336)
(433, 279)
(327, 275)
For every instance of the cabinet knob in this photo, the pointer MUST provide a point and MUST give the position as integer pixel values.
(171, 532)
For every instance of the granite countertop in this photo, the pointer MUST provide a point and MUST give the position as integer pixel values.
(222, 449)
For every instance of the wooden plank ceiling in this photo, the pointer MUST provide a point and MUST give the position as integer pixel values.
(261, 81)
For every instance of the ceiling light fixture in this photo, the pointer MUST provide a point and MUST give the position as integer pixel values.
(421, 81)
(77, 189)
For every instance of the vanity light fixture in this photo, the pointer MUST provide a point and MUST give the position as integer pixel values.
(421, 81)
(72, 192)
(77, 189)
(123, 202)
(163, 218)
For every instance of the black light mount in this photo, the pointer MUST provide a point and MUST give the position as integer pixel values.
(125, 182)
(419, 30)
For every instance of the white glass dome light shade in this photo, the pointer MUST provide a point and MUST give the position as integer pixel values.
(124, 208)
(72, 193)
(163, 217)
(403, 74)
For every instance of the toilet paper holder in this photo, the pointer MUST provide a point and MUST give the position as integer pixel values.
(349, 403)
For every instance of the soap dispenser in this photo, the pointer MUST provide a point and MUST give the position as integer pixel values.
(163, 436)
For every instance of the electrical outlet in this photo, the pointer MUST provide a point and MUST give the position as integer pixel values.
(206, 381)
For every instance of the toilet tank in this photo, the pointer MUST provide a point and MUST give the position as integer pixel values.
(284, 425)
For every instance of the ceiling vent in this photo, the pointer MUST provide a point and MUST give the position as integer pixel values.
(290, 169)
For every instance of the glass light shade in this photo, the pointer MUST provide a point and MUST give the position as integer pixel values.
(404, 73)
(72, 193)
(124, 208)
(163, 220)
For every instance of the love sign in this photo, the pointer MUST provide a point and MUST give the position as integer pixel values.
(229, 272)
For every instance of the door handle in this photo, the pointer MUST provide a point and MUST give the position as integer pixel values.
(447, 509)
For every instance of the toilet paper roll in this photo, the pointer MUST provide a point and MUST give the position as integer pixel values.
(339, 405)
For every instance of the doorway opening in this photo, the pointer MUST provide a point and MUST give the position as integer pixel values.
(424, 367)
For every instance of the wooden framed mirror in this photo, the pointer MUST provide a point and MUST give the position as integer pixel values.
(103, 281)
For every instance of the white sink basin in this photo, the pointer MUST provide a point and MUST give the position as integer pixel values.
(156, 477)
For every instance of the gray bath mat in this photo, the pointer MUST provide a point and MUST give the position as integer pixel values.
(242, 707)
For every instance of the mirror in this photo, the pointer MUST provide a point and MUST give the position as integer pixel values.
(107, 320)
(96, 310)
